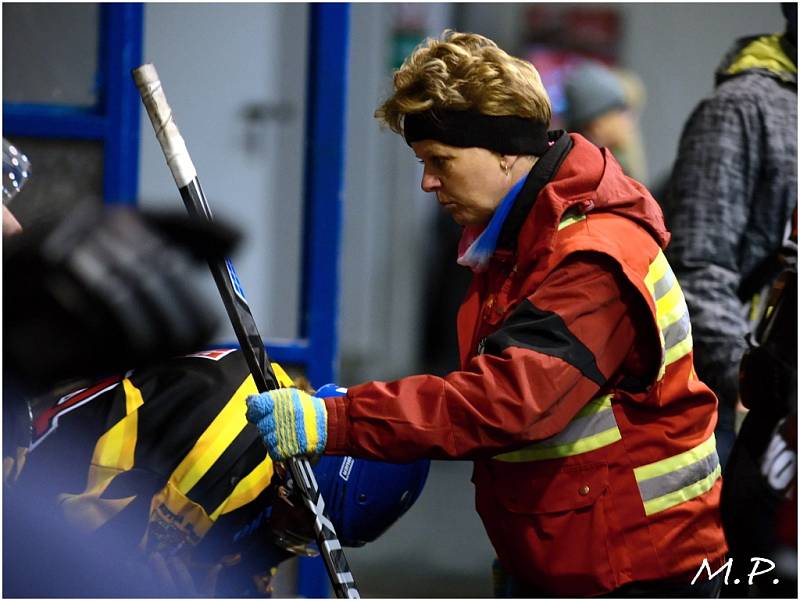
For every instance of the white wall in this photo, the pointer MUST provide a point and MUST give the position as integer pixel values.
(387, 216)
(215, 60)
(674, 48)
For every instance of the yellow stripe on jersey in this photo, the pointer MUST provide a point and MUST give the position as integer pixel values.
(115, 448)
(259, 478)
(215, 440)
(113, 455)
(247, 489)
(282, 377)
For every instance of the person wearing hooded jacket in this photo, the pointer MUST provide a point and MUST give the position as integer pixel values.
(592, 438)
(729, 202)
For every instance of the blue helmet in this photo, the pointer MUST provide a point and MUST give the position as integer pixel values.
(364, 497)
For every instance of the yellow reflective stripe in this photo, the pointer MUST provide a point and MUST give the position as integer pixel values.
(247, 489)
(567, 221)
(670, 307)
(663, 367)
(596, 405)
(583, 445)
(213, 442)
(755, 303)
(670, 310)
(545, 449)
(659, 468)
(656, 271)
(684, 494)
(672, 470)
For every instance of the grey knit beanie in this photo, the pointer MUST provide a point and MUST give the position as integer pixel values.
(591, 90)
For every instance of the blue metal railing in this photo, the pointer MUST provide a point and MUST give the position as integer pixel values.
(114, 120)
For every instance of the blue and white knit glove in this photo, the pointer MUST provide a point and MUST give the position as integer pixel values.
(290, 421)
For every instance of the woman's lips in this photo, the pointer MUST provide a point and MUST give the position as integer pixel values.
(446, 204)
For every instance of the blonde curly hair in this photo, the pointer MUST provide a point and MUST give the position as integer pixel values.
(465, 71)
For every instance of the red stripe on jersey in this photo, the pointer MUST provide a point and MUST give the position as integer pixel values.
(47, 421)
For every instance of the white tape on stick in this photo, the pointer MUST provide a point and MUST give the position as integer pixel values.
(155, 102)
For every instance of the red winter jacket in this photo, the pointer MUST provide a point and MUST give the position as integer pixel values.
(595, 461)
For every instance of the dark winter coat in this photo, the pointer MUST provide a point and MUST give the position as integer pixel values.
(733, 189)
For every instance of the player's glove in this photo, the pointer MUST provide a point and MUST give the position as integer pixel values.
(103, 290)
(290, 421)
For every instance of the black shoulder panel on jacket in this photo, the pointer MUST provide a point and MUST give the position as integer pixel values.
(544, 332)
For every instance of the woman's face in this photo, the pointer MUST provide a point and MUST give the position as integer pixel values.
(468, 182)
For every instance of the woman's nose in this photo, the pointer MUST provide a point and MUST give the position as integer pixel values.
(430, 183)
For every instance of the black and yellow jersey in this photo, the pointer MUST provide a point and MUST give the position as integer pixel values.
(162, 459)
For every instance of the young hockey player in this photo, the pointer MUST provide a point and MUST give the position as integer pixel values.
(152, 483)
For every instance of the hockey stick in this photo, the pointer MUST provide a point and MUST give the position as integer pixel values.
(183, 171)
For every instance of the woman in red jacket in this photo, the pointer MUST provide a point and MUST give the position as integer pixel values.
(595, 464)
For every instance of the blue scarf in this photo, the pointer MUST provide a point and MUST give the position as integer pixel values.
(483, 242)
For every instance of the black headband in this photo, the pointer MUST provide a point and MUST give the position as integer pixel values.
(466, 129)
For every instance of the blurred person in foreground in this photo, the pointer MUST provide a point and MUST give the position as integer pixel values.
(152, 483)
(145, 482)
(604, 105)
(729, 204)
(99, 288)
(595, 467)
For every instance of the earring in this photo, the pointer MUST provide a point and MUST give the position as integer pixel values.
(504, 167)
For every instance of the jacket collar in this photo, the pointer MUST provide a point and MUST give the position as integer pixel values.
(773, 55)
(542, 172)
(589, 179)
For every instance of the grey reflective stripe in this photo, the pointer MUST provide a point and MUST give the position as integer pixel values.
(672, 314)
(677, 332)
(593, 427)
(664, 285)
(672, 481)
(678, 479)
(581, 427)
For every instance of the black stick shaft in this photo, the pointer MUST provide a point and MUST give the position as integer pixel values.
(241, 318)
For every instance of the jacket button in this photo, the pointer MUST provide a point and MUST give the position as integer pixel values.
(584, 490)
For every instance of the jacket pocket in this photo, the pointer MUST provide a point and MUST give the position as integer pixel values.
(549, 527)
(568, 489)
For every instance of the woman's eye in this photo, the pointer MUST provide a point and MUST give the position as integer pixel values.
(434, 162)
